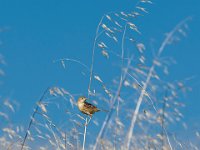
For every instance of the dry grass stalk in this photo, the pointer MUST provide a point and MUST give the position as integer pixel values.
(149, 76)
(32, 118)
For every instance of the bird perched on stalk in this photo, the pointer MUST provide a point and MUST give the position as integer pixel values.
(87, 108)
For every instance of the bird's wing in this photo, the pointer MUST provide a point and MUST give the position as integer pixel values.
(91, 108)
(88, 105)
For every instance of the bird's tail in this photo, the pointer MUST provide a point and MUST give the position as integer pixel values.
(104, 110)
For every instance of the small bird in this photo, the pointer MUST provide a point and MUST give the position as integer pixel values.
(86, 107)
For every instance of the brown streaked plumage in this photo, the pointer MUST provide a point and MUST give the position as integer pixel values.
(86, 107)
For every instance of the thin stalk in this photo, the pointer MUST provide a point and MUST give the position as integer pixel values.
(122, 64)
(32, 118)
(65, 141)
(54, 136)
(93, 54)
(75, 61)
(163, 120)
(85, 132)
(134, 117)
(109, 114)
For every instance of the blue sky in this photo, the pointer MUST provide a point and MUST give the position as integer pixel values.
(39, 32)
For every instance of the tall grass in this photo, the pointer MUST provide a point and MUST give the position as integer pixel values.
(142, 105)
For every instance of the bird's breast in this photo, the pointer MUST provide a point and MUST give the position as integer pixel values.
(80, 106)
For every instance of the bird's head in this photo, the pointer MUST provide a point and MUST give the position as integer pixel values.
(82, 99)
